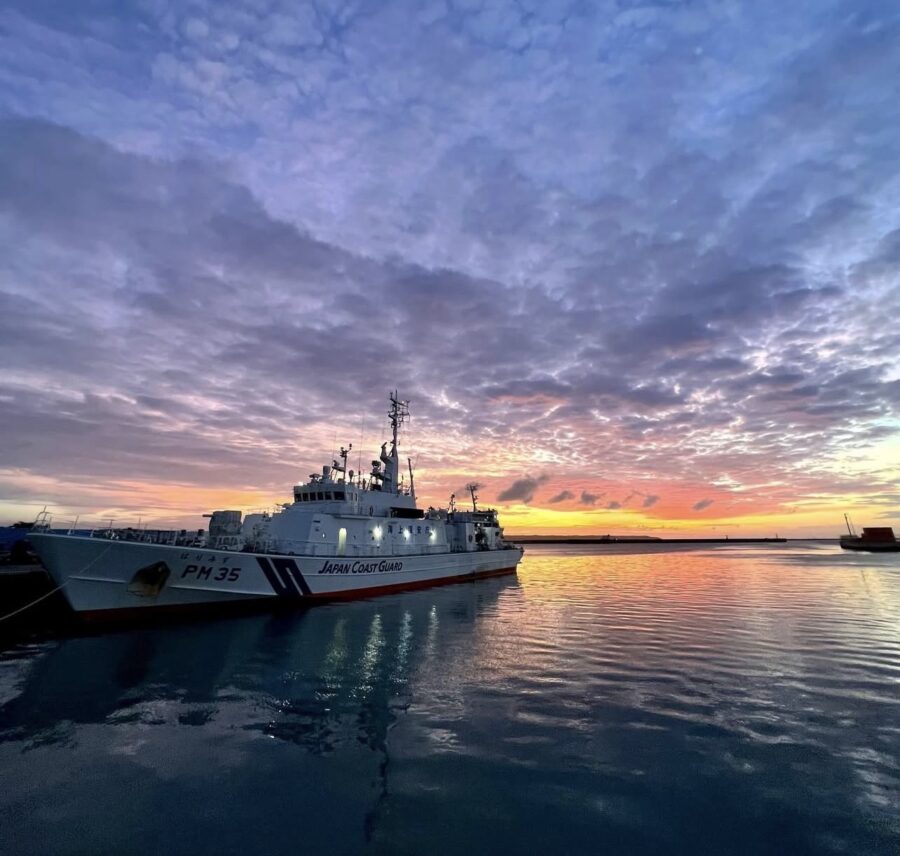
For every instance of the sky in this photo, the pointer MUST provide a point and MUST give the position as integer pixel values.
(635, 265)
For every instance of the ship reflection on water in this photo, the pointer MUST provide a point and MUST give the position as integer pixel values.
(719, 700)
(269, 697)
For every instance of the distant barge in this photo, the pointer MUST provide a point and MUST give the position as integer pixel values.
(874, 539)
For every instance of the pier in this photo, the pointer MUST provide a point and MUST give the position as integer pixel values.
(626, 539)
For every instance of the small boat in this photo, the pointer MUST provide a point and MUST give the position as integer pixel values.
(343, 536)
(874, 539)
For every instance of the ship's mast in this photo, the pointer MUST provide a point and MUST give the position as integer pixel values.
(472, 488)
(412, 481)
(342, 467)
(398, 414)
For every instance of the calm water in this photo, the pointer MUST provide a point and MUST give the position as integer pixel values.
(730, 700)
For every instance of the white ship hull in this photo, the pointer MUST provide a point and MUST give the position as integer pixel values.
(111, 579)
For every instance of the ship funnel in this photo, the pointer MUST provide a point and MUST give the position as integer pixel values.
(326, 472)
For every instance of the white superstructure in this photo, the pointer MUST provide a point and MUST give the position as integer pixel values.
(344, 535)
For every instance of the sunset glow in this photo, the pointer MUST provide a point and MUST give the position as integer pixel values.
(633, 269)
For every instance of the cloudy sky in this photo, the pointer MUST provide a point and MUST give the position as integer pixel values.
(635, 264)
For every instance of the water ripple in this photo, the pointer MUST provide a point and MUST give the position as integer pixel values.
(742, 700)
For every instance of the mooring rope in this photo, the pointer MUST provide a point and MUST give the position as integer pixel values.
(54, 591)
(33, 603)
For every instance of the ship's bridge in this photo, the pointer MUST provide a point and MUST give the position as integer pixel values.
(381, 494)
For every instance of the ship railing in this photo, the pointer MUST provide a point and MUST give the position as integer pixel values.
(140, 533)
(86, 527)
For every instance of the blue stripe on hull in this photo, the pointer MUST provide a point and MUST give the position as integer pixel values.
(284, 576)
(274, 578)
(288, 567)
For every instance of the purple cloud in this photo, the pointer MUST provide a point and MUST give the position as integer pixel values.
(521, 490)
(216, 225)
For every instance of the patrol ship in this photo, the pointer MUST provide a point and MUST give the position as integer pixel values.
(343, 536)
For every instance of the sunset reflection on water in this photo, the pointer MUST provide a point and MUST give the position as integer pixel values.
(735, 699)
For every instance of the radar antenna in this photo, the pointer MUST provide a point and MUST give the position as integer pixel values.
(472, 487)
(342, 467)
(398, 414)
